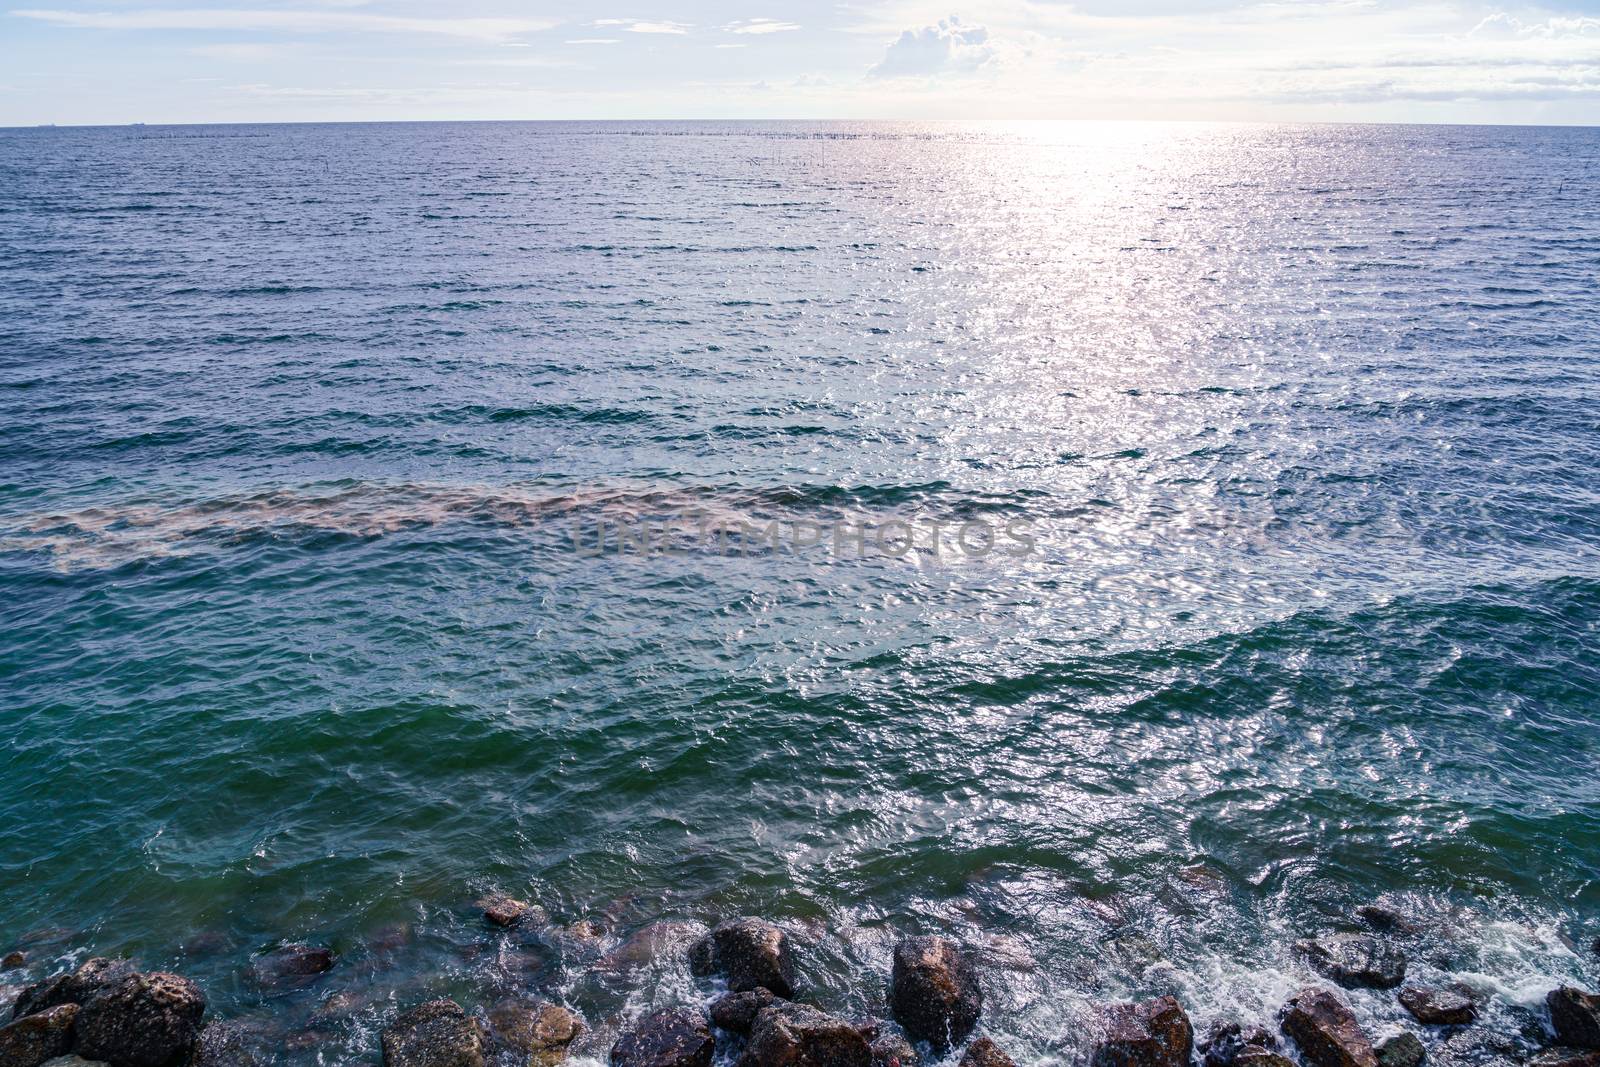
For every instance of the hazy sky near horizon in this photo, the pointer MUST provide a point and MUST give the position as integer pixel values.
(111, 61)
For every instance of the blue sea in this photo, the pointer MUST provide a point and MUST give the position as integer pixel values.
(312, 437)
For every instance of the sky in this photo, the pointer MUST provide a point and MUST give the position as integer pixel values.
(118, 61)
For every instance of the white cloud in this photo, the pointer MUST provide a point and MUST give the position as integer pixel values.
(760, 26)
(594, 40)
(951, 46)
(632, 26)
(1502, 26)
(488, 29)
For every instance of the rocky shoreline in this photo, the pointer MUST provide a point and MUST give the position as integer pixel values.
(109, 1012)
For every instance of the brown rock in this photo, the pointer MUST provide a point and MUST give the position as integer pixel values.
(1576, 1017)
(229, 1044)
(737, 1011)
(144, 1020)
(1153, 1033)
(1560, 1056)
(891, 1049)
(75, 987)
(1226, 1043)
(540, 1029)
(1437, 1007)
(29, 1041)
(1326, 1031)
(1260, 1056)
(749, 953)
(671, 1037)
(435, 1034)
(502, 910)
(985, 1053)
(797, 1035)
(934, 991)
(14, 960)
(291, 966)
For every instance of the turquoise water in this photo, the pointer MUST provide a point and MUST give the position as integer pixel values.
(300, 427)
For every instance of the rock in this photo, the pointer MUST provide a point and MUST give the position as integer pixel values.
(671, 1037)
(502, 910)
(1402, 1050)
(1152, 1033)
(891, 1049)
(748, 953)
(228, 1044)
(1560, 1056)
(14, 960)
(1380, 917)
(1576, 1017)
(340, 1004)
(435, 1034)
(1356, 960)
(737, 1011)
(144, 1020)
(1225, 1043)
(33, 1039)
(646, 944)
(985, 1053)
(75, 987)
(74, 1060)
(291, 966)
(537, 1028)
(797, 1035)
(1260, 1056)
(1326, 1032)
(934, 991)
(1437, 1007)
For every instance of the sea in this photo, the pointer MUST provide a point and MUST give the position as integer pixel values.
(1125, 548)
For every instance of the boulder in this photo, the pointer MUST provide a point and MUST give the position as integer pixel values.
(1438, 1007)
(14, 960)
(435, 1034)
(985, 1053)
(144, 1020)
(33, 1039)
(539, 1029)
(1381, 917)
(797, 1035)
(291, 966)
(1326, 1032)
(671, 1037)
(1402, 1050)
(891, 1049)
(1152, 1033)
(1261, 1056)
(934, 991)
(228, 1044)
(1566, 1057)
(1576, 1017)
(75, 987)
(1356, 960)
(737, 1011)
(1226, 1043)
(74, 1060)
(502, 910)
(749, 953)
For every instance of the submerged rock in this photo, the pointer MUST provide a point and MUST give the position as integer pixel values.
(1382, 917)
(228, 1044)
(1402, 1050)
(1437, 1007)
(537, 1028)
(934, 991)
(797, 1035)
(291, 966)
(1576, 1017)
(1326, 1032)
(985, 1053)
(1356, 960)
(435, 1034)
(14, 960)
(749, 953)
(891, 1049)
(144, 1020)
(671, 1037)
(737, 1011)
(1152, 1033)
(74, 987)
(1226, 1045)
(33, 1039)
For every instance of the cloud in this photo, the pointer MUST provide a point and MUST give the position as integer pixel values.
(950, 47)
(760, 26)
(487, 29)
(1503, 27)
(630, 26)
(595, 40)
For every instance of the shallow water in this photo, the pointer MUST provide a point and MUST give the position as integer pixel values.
(299, 425)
